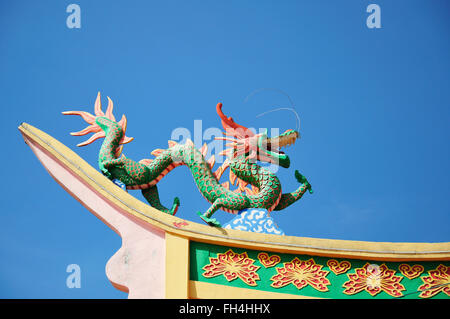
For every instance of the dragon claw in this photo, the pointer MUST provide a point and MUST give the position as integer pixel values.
(176, 204)
(210, 221)
(302, 179)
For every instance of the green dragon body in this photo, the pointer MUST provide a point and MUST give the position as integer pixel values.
(245, 149)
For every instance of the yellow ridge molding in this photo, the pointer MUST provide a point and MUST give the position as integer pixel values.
(385, 251)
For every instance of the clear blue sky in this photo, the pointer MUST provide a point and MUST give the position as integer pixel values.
(374, 107)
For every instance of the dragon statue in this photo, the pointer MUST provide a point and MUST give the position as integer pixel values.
(244, 149)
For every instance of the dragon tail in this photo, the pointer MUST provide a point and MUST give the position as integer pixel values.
(102, 125)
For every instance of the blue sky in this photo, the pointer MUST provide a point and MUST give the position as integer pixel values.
(373, 103)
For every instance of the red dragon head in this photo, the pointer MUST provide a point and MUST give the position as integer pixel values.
(254, 146)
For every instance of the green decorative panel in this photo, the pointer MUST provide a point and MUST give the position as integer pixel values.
(315, 276)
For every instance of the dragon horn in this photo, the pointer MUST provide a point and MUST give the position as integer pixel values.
(228, 123)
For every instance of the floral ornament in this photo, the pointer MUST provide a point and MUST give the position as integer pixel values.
(339, 267)
(267, 261)
(232, 266)
(374, 279)
(437, 281)
(300, 274)
(411, 272)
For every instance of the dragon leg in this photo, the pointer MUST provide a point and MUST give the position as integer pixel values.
(152, 196)
(206, 217)
(290, 198)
